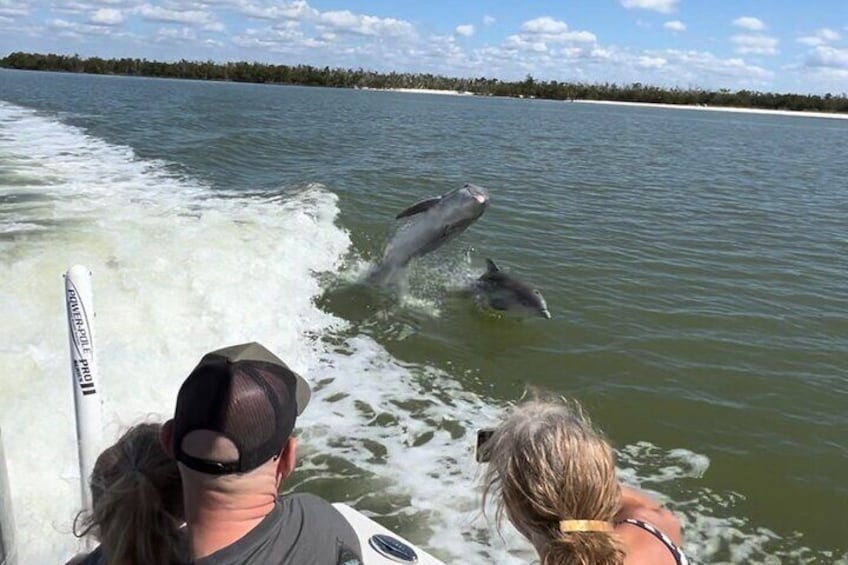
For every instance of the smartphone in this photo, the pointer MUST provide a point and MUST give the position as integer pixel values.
(483, 436)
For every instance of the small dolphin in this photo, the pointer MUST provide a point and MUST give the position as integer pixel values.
(429, 225)
(504, 292)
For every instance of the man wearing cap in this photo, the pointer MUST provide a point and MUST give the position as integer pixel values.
(231, 436)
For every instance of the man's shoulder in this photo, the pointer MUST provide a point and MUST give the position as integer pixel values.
(312, 507)
(302, 529)
(334, 533)
(306, 499)
(309, 504)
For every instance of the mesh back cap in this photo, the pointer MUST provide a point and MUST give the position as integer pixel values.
(246, 394)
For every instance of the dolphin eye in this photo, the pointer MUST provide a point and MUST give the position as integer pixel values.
(536, 292)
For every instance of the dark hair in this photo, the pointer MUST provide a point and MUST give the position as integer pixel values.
(137, 502)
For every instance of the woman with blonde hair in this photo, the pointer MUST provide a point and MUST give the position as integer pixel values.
(553, 476)
(137, 504)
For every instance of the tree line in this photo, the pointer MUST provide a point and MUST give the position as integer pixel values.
(308, 75)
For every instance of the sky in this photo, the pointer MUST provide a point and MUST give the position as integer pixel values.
(762, 45)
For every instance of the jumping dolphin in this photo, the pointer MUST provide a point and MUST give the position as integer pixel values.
(430, 224)
(504, 292)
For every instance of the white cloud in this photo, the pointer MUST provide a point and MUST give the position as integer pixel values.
(580, 36)
(750, 23)
(547, 29)
(76, 30)
(466, 29)
(330, 22)
(345, 21)
(180, 35)
(675, 25)
(11, 9)
(602, 53)
(828, 57)
(59, 23)
(280, 39)
(663, 6)
(521, 43)
(544, 25)
(73, 6)
(755, 44)
(107, 16)
(442, 51)
(572, 52)
(488, 20)
(824, 67)
(153, 13)
(599, 63)
(86, 7)
(820, 37)
(651, 62)
(298, 11)
(828, 34)
(703, 67)
(35, 32)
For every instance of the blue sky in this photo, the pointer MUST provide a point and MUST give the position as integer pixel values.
(766, 45)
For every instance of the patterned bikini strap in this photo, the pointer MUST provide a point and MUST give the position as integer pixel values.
(678, 554)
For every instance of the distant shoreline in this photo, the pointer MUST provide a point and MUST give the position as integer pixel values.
(636, 94)
(740, 110)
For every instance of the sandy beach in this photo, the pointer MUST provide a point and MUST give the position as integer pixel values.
(645, 104)
(419, 91)
(721, 109)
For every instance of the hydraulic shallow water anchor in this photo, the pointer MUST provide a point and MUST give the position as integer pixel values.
(80, 309)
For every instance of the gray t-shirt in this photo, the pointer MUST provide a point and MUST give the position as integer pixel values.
(302, 529)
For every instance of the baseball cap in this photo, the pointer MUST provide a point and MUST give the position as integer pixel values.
(245, 393)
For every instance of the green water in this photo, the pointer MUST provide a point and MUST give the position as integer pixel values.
(694, 264)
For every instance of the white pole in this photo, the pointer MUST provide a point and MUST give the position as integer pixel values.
(78, 299)
(7, 523)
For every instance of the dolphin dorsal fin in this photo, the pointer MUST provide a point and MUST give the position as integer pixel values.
(491, 267)
(422, 206)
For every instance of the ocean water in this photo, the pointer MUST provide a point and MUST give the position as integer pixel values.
(694, 264)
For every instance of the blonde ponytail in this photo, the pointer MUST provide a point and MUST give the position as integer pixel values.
(548, 465)
(137, 502)
(584, 548)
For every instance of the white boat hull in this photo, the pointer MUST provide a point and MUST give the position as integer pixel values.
(367, 528)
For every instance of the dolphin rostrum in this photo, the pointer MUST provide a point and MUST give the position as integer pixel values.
(502, 291)
(428, 225)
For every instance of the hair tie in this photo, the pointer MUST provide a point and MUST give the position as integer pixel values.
(566, 526)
